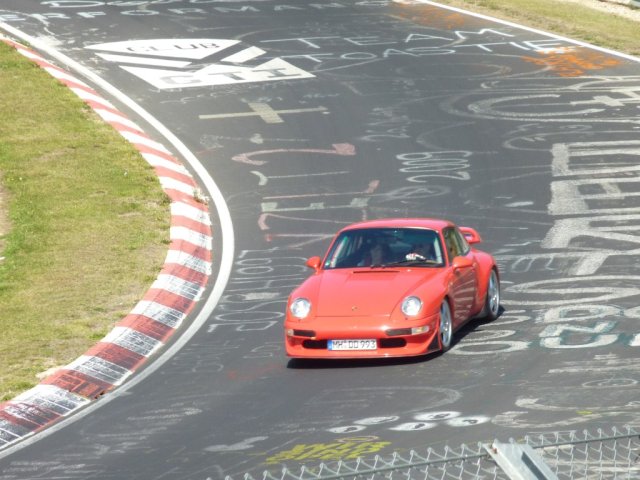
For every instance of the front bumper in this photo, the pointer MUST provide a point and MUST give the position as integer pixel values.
(310, 339)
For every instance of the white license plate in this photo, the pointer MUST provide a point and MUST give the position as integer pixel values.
(352, 344)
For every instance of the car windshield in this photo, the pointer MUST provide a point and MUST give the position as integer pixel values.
(385, 247)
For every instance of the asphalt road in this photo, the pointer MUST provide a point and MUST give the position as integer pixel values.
(310, 116)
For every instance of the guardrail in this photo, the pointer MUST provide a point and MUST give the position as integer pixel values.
(554, 456)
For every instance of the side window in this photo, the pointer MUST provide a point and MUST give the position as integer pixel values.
(451, 243)
(463, 246)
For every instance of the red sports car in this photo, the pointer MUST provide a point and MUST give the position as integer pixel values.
(391, 288)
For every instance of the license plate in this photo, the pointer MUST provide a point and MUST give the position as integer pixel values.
(352, 344)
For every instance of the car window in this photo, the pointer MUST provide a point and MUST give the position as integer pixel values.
(463, 245)
(451, 244)
(369, 247)
(456, 243)
(345, 247)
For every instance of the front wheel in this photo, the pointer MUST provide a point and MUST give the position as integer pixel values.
(492, 300)
(446, 326)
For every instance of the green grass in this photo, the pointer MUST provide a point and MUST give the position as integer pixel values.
(85, 230)
(563, 18)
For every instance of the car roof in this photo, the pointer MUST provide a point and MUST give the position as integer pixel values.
(431, 223)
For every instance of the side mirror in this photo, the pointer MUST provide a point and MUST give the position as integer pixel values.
(470, 234)
(314, 262)
(462, 262)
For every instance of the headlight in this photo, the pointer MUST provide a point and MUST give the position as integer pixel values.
(411, 306)
(300, 308)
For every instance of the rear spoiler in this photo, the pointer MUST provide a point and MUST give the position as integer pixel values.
(471, 235)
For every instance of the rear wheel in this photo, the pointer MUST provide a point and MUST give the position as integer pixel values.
(492, 300)
(446, 326)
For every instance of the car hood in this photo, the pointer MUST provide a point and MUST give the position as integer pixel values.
(375, 292)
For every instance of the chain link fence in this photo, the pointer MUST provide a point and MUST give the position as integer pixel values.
(572, 455)
(554, 456)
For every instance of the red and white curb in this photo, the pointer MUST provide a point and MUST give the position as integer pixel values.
(155, 318)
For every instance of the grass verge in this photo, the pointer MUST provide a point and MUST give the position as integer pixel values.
(86, 229)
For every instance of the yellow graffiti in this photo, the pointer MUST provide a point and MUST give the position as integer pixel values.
(328, 451)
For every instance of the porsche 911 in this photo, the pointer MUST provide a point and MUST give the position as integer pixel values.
(391, 288)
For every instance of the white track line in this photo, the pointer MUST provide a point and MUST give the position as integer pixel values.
(521, 27)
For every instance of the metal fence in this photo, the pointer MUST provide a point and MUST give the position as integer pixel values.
(554, 456)
(602, 455)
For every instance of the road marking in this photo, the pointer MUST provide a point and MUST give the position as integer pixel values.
(188, 63)
(340, 149)
(243, 445)
(264, 178)
(264, 111)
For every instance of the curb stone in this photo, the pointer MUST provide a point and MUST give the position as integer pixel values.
(155, 318)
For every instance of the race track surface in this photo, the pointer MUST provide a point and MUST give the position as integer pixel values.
(313, 115)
